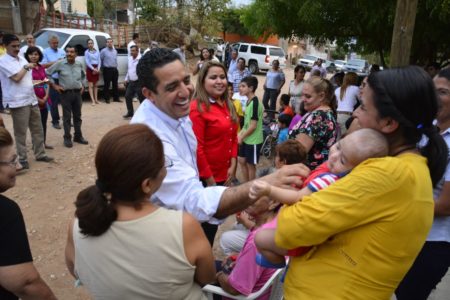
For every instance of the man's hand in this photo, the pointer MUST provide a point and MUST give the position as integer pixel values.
(258, 189)
(58, 88)
(82, 90)
(288, 176)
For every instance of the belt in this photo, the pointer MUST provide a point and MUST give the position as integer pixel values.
(72, 91)
(345, 112)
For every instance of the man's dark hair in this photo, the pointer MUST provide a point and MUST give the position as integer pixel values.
(8, 38)
(251, 82)
(134, 46)
(154, 59)
(69, 47)
(241, 58)
(135, 36)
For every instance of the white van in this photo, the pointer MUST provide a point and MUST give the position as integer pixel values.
(259, 57)
(78, 39)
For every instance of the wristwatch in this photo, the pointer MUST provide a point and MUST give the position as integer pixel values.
(26, 67)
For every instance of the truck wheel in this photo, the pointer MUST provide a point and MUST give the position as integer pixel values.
(253, 67)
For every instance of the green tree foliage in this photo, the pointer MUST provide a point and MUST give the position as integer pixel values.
(148, 9)
(362, 26)
(230, 19)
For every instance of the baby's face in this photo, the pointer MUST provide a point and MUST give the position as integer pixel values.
(339, 158)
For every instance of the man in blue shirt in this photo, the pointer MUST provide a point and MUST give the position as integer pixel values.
(53, 54)
(108, 56)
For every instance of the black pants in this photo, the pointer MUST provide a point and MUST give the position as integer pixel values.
(272, 95)
(44, 117)
(55, 97)
(71, 105)
(110, 76)
(427, 271)
(133, 88)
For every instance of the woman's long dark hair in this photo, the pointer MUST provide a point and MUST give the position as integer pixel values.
(126, 156)
(408, 96)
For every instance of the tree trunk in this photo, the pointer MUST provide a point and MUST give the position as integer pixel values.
(381, 54)
(29, 10)
(405, 17)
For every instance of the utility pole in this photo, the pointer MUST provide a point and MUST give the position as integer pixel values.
(405, 18)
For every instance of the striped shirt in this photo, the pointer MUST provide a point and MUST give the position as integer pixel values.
(322, 181)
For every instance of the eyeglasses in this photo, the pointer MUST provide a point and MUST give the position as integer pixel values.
(11, 163)
(168, 162)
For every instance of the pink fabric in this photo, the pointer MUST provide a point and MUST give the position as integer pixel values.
(248, 277)
(38, 73)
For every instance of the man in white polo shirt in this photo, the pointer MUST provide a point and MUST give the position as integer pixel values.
(18, 94)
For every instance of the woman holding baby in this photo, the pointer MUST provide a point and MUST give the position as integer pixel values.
(367, 228)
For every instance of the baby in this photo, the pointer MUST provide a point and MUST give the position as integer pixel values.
(343, 157)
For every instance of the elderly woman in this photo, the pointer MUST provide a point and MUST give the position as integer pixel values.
(122, 246)
(369, 226)
(215, 124)
(317, 131)
(18, 276)
(433, 260)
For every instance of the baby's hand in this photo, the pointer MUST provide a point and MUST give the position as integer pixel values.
(258, 189)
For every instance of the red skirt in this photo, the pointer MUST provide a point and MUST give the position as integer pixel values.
(91, 77)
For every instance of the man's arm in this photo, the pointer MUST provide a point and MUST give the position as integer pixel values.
(18, 76)
(236, 199)
(25, 282)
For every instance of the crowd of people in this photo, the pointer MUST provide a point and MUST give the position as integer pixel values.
(350, 199)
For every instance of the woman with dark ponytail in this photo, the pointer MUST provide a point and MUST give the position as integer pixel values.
(433, 261)
(369, 226)
(121, 245)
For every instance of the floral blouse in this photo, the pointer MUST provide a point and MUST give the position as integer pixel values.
(320, 126)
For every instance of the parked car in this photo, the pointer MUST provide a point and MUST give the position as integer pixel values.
(359, 66)
(339, 64)
(259, 57)
(308, 61)
(78, 38)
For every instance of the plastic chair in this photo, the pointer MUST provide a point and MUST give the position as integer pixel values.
(274, 280)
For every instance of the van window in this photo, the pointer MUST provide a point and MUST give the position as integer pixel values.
(276, 52)
(42, 37)
(80, 43)
(258, 50)
(101, 41)
(243, 48)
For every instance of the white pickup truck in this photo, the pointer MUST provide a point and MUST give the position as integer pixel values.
(78, 38)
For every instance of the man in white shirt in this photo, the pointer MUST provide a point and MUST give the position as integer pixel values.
(151, 45)
(18, 94)
(30, 43)
(181, 51)
(134, 42)
(233, 64)
(168, 90)
(132, 83)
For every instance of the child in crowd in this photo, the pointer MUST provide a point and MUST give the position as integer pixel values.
(242, 98)
(298, 117)
(285, 109)
(237, 105)
(344, 156)
(250, 138)
(288, 153)
(283, 127)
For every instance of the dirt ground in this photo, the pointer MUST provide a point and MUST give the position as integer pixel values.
(46, 192)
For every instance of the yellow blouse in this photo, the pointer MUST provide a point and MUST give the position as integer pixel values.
(368, 227)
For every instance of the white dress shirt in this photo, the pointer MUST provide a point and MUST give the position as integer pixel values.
(131, 73)
(181, 188)
(16, 94)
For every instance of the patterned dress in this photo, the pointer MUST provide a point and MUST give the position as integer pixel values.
(321, 127)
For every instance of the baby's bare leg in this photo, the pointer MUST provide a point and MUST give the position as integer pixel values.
(265, 242)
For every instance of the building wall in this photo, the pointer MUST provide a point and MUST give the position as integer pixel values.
(77, 6)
